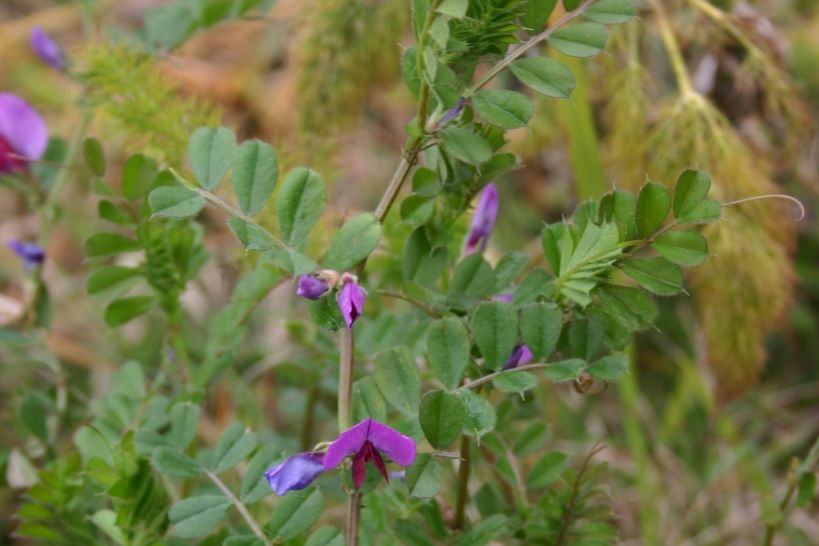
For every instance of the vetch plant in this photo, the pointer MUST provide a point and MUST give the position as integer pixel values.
(412, 345)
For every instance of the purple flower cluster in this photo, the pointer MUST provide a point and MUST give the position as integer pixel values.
(350, 297)
(368, 441)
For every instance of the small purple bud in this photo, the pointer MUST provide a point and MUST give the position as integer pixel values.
(47, 49)
(350, 301)
(295, 473)
(520, 355)
(31, 254)
(451, 114)
(484, 220)
(311, 287)
(504, 298)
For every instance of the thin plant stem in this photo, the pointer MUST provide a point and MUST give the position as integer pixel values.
(526, 46)
(487, 378)
(49, 210)
(568, 515)
(464, 469)
(240, 507)
(345, 377)
(672, 49)
(419, 304)
(353, 518)
(423, 99)
(230, 209)
(771, 196)
(807, 465)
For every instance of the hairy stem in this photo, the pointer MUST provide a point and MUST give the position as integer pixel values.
(240, 507)
(345, 377)
(464, 469)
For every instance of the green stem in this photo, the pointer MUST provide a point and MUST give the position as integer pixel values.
(487, 378)
(240, 507)
(227, 207)
(464, 469)
(419, 304)
(345, 377)
(49, 210)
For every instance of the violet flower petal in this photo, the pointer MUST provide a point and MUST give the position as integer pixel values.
(311, 287)
(348, 442)
(390, 442)
(47, 49)
(452, 113)
(351, 302)
(505, 298)
(31, 254)
(295, 473)
(520, 355)
(22, 127)
(484, 219)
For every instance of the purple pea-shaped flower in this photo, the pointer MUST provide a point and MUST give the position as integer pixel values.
(23, 134)
(311, 287)
(520, 355)
(295, 473)
(350, 300)
(483, 221)
(369, 441)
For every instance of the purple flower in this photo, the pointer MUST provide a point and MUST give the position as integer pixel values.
(350, 300)
(484, 220)
(451, 114)
(23, 133)
(311, 287)
(47, 49)
(520, 355)
(367, 441)
(295, 473)
(505, 298)
(31, 254)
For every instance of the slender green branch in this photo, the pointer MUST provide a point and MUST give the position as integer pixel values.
(419, 304)
(240, 507)
(526, 46)
(50, 206)
(487, 378)
(464, 469)
(568, 515)
(227, 207)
